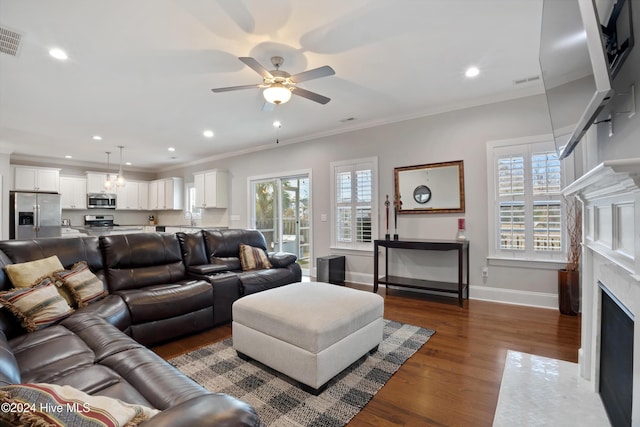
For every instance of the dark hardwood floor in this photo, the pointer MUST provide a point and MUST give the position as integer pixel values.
(454, 379)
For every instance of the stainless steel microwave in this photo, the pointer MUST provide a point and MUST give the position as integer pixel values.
(101, 201)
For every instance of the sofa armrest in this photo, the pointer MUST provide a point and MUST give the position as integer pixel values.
(207, 269)
(218, 410)
(281, 259)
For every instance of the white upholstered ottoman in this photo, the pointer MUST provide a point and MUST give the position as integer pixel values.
(308, 331)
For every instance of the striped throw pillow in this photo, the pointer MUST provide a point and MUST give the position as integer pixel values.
(36, 307)
(84, 286)
(253, 258)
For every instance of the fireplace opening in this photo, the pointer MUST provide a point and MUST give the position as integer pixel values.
(616, 359)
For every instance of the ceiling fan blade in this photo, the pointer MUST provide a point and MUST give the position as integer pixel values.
(256, 66)
(316, 73)
(268, 107)
(310, 95)
(230, 88)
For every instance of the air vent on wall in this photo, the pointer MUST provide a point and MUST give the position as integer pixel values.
(9, 41)
(526, 80)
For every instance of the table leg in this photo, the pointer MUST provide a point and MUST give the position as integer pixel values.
(460, 268)
(375, 268)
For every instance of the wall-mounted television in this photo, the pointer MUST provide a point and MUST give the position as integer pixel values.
(583, 44)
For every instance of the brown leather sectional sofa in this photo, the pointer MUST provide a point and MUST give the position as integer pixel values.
(161, 286)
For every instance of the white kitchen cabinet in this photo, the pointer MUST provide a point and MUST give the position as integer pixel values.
(211, 189)
(133, 196)
(143, 196)
(95, 183)
(74, 192)
(166, 194)
(36, 179)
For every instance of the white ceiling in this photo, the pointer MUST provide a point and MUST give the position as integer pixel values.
(139, 72)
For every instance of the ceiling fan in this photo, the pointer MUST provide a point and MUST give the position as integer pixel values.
(278, 85)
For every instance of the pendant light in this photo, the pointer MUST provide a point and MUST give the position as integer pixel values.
(108, 183)
(120, 180)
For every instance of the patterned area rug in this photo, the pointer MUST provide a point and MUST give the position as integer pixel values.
(280, 403)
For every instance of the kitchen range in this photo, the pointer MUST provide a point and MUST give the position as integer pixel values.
(102, 225)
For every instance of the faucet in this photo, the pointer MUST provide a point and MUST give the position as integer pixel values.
(189, 214)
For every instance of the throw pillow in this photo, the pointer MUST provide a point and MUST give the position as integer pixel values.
(40, 404)
(36, 307)
(84, 286)
(25, 274)
(253, 258)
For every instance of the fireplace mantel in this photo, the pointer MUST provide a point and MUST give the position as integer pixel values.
(610, 195)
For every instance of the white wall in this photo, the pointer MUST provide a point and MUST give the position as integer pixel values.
(458, 135)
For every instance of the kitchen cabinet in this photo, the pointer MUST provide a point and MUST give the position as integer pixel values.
(74, 192)
(166, 194)
(211, 189)
(36, 179)
(133, 196)
(95, 183)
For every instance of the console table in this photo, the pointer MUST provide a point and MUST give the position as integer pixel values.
(462, 247)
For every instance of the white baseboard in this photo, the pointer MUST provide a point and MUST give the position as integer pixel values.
(483, 293)
(512, 296)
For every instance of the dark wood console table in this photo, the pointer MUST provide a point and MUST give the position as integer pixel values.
(431, 285)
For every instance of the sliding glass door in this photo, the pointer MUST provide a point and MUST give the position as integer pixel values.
(280, 209)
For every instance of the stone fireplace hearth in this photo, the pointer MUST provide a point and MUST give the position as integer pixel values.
(610, 194)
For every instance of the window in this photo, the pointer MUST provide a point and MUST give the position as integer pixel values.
(353, 198)
(191, 211)
(525, 204)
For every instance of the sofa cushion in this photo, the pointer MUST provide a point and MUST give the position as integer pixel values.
(138, 260)
(72, 407)
(68, 251)
(225, 243)
(84, 286)
(25, 274)
(193, 249)
(36, 307)
(166, 301)
(253, 258)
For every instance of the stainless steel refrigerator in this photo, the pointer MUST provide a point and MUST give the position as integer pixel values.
(34, 215)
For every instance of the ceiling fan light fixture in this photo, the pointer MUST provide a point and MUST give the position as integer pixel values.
(277, 94)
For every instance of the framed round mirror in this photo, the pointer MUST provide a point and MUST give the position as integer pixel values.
(422, 194)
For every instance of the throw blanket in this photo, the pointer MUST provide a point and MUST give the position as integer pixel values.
(51, 405)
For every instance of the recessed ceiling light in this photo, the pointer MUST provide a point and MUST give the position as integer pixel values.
(472, 72)
(171, 149)
(208, 133)
(277, 124)
(97, 137)
(58, 54)
(68, 157)
(128, 163)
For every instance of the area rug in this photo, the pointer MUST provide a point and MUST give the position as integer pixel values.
(281, 403)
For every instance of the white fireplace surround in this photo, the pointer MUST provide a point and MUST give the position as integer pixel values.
(610, 196)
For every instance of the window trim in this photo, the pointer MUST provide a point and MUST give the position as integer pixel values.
(497, 256)
(354, 246)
